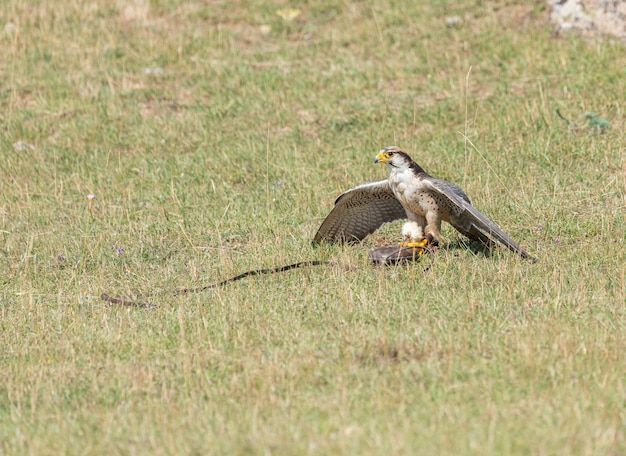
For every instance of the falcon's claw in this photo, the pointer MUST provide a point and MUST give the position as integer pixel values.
(415, 244)
(431, 240)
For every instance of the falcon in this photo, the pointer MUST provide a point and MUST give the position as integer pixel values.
(409, 192)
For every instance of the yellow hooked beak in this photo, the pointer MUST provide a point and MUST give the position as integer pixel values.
(380, 157)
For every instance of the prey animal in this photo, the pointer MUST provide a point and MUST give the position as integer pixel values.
(409, 192)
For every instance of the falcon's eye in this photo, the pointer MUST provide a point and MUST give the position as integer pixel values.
(389, 154)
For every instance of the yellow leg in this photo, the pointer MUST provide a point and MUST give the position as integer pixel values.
(417, 245)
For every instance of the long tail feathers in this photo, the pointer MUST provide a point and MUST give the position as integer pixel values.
(484, 230)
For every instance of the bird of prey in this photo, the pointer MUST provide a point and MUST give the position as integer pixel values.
(409, 192)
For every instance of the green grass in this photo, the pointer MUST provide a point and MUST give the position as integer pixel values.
(214, 137)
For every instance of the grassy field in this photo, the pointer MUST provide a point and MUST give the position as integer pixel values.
(148, 146)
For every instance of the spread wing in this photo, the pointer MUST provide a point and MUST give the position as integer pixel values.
(470, 221)
(359, 211)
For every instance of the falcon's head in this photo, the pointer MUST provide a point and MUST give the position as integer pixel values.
(397, 160)
(393, 157)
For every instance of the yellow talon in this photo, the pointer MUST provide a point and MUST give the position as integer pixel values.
(417, 246)
(414, 244)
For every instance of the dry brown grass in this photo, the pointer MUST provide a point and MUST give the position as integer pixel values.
(214, 137)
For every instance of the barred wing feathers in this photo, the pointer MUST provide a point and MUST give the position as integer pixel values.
(360, 211)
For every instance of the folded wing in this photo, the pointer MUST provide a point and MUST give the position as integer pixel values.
(470, 221)
(360, 211)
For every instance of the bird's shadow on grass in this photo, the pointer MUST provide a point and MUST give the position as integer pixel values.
(476, 247)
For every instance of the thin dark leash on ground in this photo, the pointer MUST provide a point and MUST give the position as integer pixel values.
(243, 275)
(301, 264)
